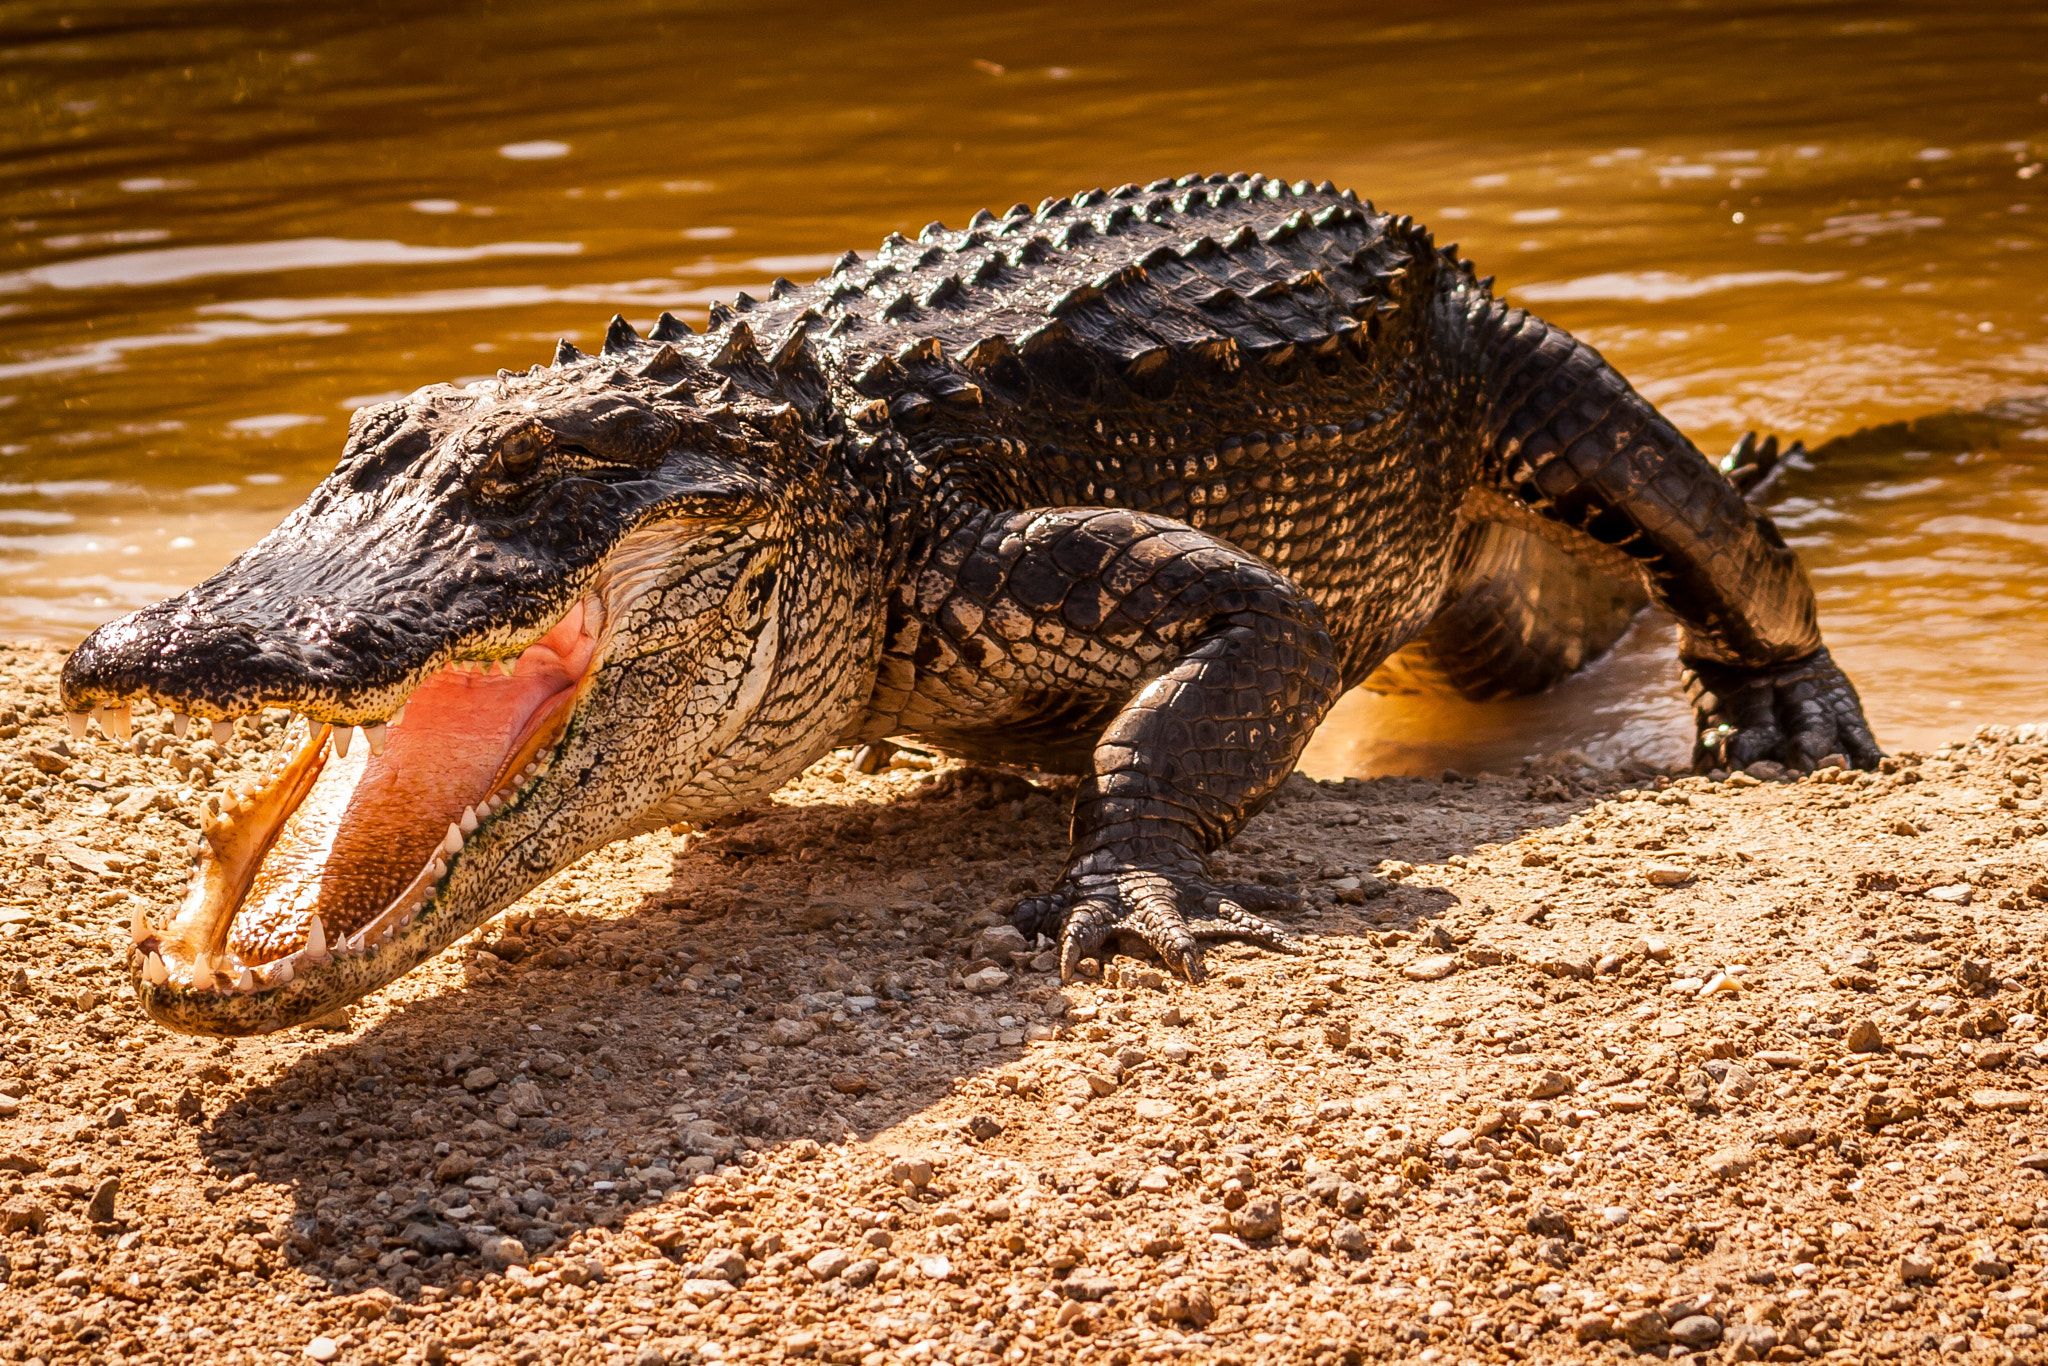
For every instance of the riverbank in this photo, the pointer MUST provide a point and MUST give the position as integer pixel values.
(1580, 1062)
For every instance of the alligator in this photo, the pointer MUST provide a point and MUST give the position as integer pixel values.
(1130, 485)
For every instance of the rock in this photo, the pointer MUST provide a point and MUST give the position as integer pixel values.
(1349, 1239)
(1257, 1219)
(23, 1214)
(1736, 1084)
(526, 1100)
(914, 1171)
(1546, 1084)
(1917, 1264)
(851, 1084)
(1725, 1164)
(791, 1033)
(1594, 1327)
(938, 1268)
(1546, 1222)
(502, 1251)
(829, 1263)
(999, 942)
(457, 1166)
(1642, 1328)
(1666, 875)
(703, 1290)
(723, 1264)
(100, 1210)
(1434, 968)
(1749, 1341)
(2010, 1102)
(323, 1349)
(1986, 1263)
(1891, 1106)
(1696, 1330)
(479, 1079)
(983, 982)
(1183, 1301)
(860, 1273)
(982, 1128)
(1863, 1037)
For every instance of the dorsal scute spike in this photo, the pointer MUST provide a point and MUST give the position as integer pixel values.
(928, 349)
(665, 361)
(932, 232)
(619, 337)
(1019, 210)
(1164, 182)
(739, 348)
(894, 240)
(986, 352)
(720, 315)
(982, 219)
(846, 262)
(668, 328)
(794, 351)
(781, 287)
(744, 302)
(1053, 208)
(567, 354)
(948, 287)
(504, 374)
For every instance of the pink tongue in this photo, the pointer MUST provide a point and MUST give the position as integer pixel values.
(365, 841)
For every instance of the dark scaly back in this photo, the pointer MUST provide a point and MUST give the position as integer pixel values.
(1276, 364)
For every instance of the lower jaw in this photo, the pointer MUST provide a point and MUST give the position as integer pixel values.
(189, 981)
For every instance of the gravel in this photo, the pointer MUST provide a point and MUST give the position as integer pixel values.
(735, 1095)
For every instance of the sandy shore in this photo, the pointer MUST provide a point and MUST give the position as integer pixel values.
(1581, 1064)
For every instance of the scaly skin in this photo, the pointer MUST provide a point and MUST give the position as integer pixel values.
(1134, 485)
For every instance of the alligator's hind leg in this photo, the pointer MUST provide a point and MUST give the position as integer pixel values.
(1573, 442)
(1526, 615)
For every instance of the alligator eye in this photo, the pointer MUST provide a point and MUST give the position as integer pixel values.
(519, 454)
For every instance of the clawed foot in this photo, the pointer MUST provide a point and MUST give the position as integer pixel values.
(1172, 915)
(1797, 714)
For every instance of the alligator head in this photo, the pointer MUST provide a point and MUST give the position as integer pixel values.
(562, 608)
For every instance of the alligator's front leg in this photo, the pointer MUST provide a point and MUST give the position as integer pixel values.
(1211, 669)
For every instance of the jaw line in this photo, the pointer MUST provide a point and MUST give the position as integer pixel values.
(223, 996)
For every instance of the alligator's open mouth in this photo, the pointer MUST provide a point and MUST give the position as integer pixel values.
(343, 847)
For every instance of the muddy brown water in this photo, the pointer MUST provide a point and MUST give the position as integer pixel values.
(226, 226)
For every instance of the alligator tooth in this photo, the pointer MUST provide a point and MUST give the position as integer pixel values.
(223, 731)
(530, 770)
(139, 927)
(246, 982)
(342, 736)
(398, 716)
(316, 939)
(374, 733)
(468, 821)
(181, 724)
(439, 869)
(154, 972)
(489, 806)
(453, 844)
(507, 666)
(115, 723)
(201, 969)
(76, 721)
